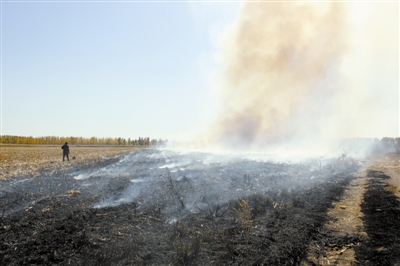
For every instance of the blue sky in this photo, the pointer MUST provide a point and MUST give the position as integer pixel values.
(109, 69)
(143, 68)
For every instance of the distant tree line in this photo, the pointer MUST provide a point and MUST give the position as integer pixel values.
(374, 145)
(384, 145)
(141, 141)
(387, 145)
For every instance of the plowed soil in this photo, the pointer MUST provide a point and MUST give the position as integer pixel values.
(283, 214)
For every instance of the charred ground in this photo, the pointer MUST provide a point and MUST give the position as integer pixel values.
(51, 218)
(381, 210)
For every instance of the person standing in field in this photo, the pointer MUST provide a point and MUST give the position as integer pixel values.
(65, 149)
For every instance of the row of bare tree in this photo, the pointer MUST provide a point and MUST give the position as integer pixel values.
(9, 139)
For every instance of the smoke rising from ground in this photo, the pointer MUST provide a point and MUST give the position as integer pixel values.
(293, 75)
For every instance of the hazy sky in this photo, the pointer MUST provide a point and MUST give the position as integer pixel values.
(137, 68)
(108, 69)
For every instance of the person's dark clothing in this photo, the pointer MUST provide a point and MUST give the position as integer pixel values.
(65, 149)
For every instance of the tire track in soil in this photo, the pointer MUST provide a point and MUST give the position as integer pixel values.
(381, 210)
(364, 226)
(344, 229)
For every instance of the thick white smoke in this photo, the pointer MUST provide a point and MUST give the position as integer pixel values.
(302, 74)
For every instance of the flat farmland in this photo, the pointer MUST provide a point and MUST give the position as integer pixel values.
(21, 160)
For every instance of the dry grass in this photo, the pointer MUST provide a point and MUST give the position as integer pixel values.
(17, 160)
(244, 213)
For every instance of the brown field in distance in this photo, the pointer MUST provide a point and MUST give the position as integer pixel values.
(18, 160)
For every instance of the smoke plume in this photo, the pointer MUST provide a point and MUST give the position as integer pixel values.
(283, 77)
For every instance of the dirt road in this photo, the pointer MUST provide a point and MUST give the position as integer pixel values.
(364, 225)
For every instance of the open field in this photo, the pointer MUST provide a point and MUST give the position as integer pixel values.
(162, 207)
(18, 160)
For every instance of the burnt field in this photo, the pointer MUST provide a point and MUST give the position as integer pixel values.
(162, 207)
